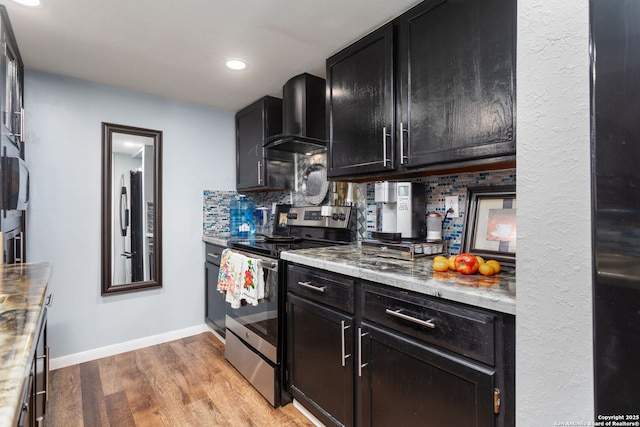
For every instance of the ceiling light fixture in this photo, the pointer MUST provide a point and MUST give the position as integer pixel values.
(30, 3)
(235, 64)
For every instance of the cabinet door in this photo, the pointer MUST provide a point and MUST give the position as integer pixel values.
(11, 90)
(320, 362)
(456, 81)
(254, 124)
(407, 383)
(215, 306)
(360, 106)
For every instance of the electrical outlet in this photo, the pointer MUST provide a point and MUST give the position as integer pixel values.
(451, 202)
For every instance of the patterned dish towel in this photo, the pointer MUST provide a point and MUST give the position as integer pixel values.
(242, 278)
(230, 278)
(253, 286)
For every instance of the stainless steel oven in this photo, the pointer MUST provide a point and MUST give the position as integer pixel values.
(258, 328)
(255, 338)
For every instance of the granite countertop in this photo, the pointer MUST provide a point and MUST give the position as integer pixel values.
(496, 293)
(23, 289)
(216, 239)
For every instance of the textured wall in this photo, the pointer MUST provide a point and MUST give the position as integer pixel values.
(554, 378)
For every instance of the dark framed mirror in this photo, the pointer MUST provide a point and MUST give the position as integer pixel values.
(131, 209)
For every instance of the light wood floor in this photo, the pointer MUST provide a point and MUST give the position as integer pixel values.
(185, 382)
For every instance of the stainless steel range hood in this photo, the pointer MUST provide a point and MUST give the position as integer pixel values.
(303, 116)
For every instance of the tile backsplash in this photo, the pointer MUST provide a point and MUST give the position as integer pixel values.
(216, 203)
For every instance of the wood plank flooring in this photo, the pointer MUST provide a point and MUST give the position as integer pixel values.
(186, 382)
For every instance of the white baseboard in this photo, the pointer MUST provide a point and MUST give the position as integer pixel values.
(110, 350)
(307, 414)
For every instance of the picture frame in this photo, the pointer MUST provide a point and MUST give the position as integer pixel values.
(490, 227)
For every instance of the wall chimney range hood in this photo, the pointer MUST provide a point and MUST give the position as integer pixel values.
(303, 116)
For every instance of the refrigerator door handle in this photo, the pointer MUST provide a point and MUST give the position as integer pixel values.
(124, 208)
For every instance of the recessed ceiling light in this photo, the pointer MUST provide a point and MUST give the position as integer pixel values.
(235, 64)
(30, 3)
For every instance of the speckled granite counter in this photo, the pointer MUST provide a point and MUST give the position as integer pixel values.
(496, 293)
(23, 288)
(216, 239)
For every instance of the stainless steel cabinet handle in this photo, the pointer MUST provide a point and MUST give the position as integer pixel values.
(397, 313)
(310, 286)
(47, 373)
(213, 255)
(21, 134)
(18, 240)
(360, 364)
(22, 125)
(402, 131)
(343, 328)
(259, 172)
(384, 146)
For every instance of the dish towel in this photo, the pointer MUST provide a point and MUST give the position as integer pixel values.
(230, 279)
(253, 285)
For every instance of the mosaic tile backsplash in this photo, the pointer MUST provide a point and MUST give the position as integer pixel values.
(216, 203)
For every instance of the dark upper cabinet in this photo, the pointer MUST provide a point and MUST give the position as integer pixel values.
(360, 106)
(257, 169)
(432, 89)
(12, 220)
(456, 81)
(11, 74)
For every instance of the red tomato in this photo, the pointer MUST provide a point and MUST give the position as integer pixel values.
(466, 264)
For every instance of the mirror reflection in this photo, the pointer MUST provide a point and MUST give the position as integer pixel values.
(133, 203)
(131, 182)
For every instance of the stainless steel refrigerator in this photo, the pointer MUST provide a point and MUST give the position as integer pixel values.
(615, 32)
(131, 226)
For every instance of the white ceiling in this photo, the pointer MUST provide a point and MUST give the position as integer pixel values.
(177, 48)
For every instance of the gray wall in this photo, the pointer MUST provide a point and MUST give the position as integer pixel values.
(63, 151)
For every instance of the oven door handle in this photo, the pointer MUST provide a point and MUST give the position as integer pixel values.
(273, 266)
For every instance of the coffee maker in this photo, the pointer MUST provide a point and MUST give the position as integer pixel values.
(402, 231)
(403, 210)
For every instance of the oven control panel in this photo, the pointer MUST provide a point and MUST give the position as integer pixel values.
(320, 216)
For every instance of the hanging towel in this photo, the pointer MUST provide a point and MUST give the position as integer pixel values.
(253, 285)
(225, 271)
(230, 278)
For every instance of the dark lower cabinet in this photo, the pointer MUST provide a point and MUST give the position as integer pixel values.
(407, 383)
(431, 362)
(321, 360)
(320, 343)
(36, 387)
(215, 305)
(366, 354)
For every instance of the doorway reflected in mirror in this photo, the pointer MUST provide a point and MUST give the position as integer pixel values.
(131, 208)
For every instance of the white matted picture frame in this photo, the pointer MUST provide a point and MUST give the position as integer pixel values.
(490, 227)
